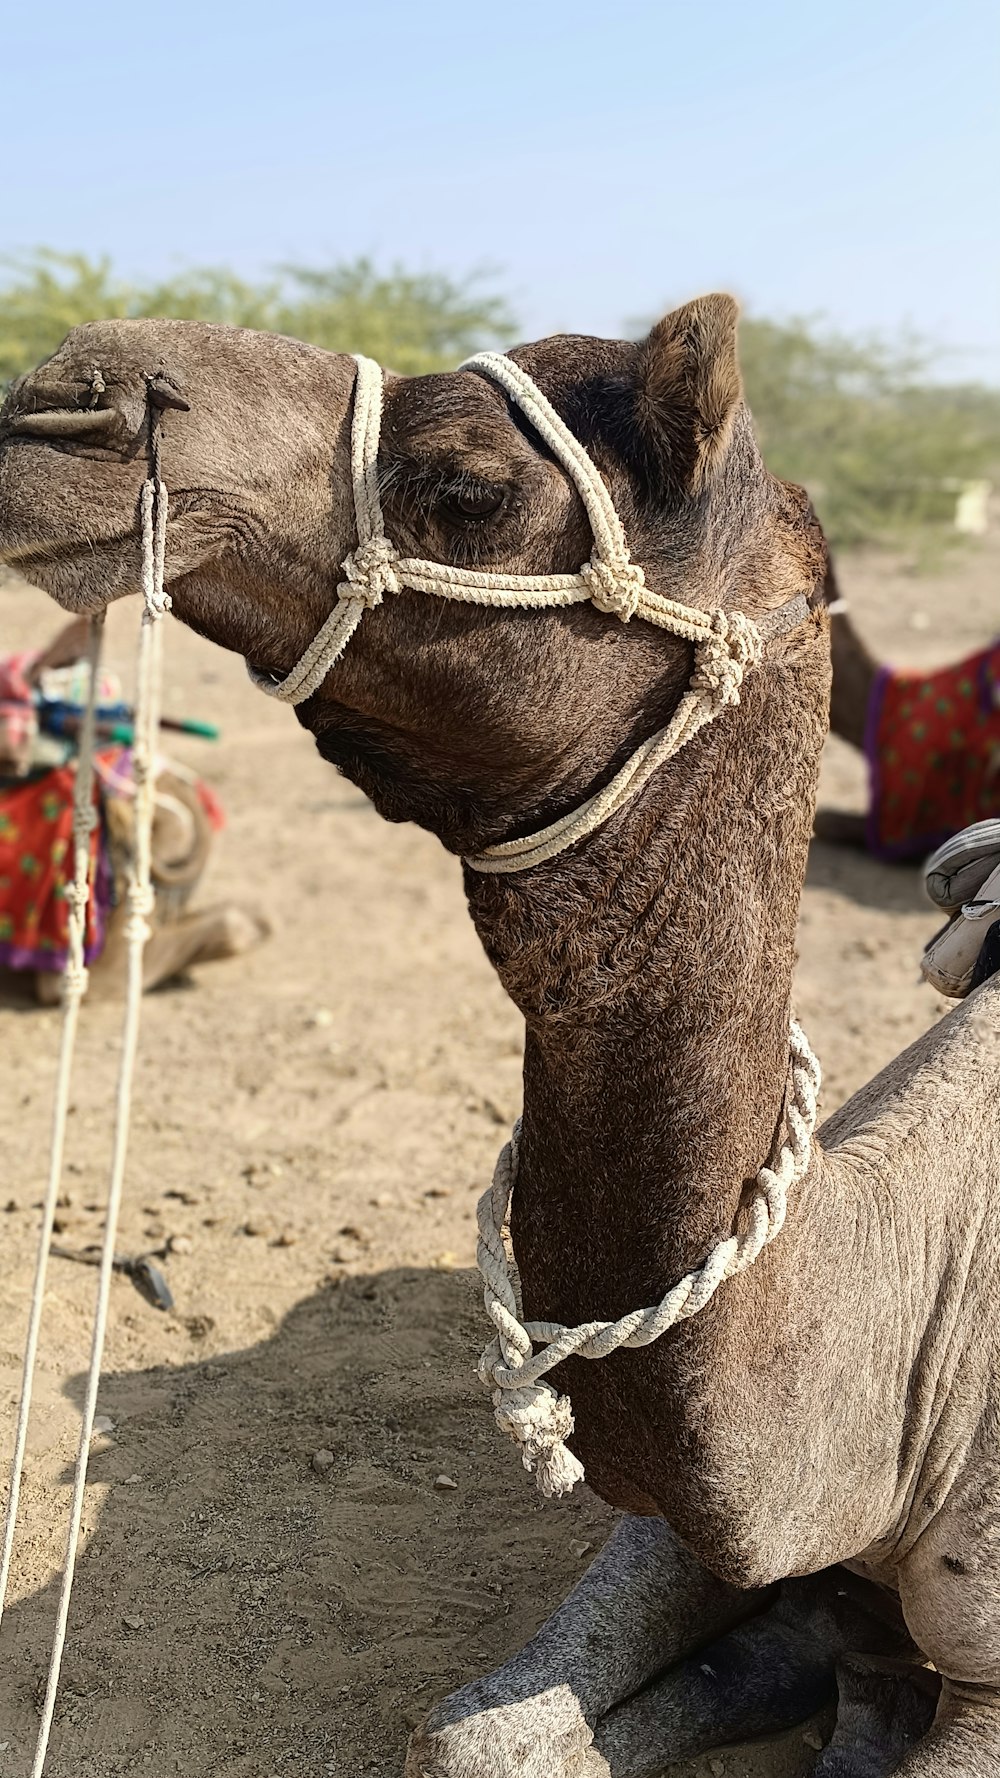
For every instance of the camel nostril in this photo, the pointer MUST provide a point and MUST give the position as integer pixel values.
(164, 393)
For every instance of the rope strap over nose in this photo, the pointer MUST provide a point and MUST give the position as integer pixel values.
(726, 643)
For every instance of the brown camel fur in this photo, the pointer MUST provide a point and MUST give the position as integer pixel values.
(855, 670)
(813, 1459)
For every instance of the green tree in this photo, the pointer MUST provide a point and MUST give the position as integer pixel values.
(44, 296)
(415, 322)
(881, 446)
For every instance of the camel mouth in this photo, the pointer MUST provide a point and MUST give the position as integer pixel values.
(76, 432)
(66, 500)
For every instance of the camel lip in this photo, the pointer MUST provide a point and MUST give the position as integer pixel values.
(73, 433)
(61, 422)
(45, 565)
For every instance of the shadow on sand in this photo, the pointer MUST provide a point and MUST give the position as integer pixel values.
(847, 871)
(238, 1614)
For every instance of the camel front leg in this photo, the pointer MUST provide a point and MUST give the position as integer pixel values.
(883, 1709)
(949, 1586)
(964, 1741)
(642, 1604)
(764, 1676)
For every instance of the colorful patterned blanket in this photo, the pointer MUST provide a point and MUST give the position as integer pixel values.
(36, 862)
(933, 747)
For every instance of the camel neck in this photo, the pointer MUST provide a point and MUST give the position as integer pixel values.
(654, 968)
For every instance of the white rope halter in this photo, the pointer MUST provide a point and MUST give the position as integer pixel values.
(726, 643)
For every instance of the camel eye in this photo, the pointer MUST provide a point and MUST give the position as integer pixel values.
(474, 503)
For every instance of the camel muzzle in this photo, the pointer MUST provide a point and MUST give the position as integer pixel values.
(61, 441)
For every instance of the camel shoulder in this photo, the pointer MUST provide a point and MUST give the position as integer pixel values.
(938, 1101)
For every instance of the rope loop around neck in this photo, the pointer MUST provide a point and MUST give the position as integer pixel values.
(519, 1356)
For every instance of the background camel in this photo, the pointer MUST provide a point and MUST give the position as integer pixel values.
(953, 786)
(807, 1453)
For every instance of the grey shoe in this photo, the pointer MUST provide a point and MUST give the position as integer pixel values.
(956, 872)
(949, 962)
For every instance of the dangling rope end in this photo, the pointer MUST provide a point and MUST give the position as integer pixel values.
(540, 1422)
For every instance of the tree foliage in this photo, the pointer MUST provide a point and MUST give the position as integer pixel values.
(415, 322)
(881, 446)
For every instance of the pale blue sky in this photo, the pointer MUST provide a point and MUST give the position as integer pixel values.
(604, 160)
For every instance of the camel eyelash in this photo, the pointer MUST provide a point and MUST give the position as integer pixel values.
(425, 492)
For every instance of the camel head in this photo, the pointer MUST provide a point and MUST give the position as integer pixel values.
(475, 722)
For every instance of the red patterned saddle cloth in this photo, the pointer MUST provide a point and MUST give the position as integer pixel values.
(933, 747)
(36, 863)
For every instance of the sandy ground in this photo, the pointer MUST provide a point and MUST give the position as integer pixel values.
(318, 1120)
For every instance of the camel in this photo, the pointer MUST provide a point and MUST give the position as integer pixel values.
(806, 1471)
(972, 754)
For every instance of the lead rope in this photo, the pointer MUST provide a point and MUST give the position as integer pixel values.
(139, 900)
(74, 988)
(528, 1409)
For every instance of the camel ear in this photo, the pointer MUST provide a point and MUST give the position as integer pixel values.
(690, 389)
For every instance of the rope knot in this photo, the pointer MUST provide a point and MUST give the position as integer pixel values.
(76, 897)
(614, 587)
(75, 979)
(84, 822)
(732, 645)
(540, 1422)
(372, 571)
(140, 901)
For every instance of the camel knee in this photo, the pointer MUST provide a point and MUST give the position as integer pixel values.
(478, 1733)
(964, 1740)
